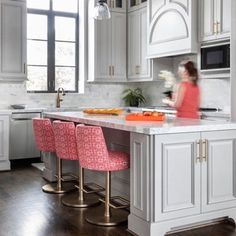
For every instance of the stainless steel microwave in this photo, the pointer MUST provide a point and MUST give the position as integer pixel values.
(215, 57)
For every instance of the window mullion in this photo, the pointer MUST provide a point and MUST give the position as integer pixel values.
(51, 53)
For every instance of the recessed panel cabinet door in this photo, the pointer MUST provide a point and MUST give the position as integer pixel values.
(177, 176)
(118, 46)
(4, 138)
(103, 49)
(218, 176)
(13, 40)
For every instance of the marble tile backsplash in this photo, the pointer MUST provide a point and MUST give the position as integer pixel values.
(214, 93)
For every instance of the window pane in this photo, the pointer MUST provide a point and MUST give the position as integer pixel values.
(38, 4)
(36, 52)
(65, 77)
(65, 6)
(65, 54)
(37, 26)
(37, 77)
(65, 28)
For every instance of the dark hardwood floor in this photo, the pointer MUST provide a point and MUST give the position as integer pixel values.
(26, 211)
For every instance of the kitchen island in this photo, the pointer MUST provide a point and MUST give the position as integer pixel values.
(182, 172)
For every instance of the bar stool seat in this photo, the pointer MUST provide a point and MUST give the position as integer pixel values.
(94, 155)
(66, 149)
(45, 142)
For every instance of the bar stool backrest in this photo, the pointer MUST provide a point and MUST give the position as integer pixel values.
(65, 140)
(44, 136)
(92, 148)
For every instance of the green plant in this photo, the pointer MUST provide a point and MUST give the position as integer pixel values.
(133, 97)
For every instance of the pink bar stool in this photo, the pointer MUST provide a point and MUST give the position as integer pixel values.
(94, 155)
(44, 138)
(66, 148)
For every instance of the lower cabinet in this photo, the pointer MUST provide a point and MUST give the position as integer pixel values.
(182, 175)
(195, 172)
(4, 142)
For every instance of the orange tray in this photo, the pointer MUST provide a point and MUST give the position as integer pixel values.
(141, 117)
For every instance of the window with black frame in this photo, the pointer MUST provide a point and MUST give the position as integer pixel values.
(52, 45)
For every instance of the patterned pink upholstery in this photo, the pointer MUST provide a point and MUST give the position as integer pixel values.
(93, 153)
(44, 136)
(65, 140)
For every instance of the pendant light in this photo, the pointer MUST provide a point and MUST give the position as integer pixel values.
(101, 11)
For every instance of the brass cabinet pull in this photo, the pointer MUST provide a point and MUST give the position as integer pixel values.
(204, 150)
(113, 70)
(215, 28)
(109, 70)
(218, 27)
(199, 151)
(137, 70)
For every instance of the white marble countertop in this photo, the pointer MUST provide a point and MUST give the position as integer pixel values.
(171, 125)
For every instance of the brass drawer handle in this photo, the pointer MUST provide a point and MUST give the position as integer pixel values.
(205, 149)
(199, 151)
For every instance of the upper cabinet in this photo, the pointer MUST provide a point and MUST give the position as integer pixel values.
(12, 40)
(136, 4)
(117, 5)
(138, 65)
(107, 48)
(172, 27)
(215, 19)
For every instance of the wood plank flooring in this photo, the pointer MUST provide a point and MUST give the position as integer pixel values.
(26, 211)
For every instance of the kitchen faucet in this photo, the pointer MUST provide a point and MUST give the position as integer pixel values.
(59, 99)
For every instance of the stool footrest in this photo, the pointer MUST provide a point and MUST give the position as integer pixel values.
(73, 177)
(122, 203)
(90, 188)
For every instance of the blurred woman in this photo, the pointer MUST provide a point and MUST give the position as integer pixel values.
(187, 98)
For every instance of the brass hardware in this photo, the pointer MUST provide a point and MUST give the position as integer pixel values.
(113, 70)
(218, 27)
(79, 201)
(59, 99)
(204, 150)
(199, 151)
(117, 205)
(97, 188)
(215, 28)
(24, 68)
(110, 217)
(59, 187)
(109, 70)
(137, 70)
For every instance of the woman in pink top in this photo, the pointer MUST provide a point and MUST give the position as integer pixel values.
(187, 99)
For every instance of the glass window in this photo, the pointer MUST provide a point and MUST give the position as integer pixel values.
(65, 6)
(65, 29)
(38, 4)
(36, 52)
(38, 78)
(65, 77)
(52, 45)
(39, 32)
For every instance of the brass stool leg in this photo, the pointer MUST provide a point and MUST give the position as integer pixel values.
(111, 217)
(79, 200)
(58, 187)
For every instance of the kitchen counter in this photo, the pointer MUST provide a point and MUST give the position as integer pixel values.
(181, 170)
(171, 125)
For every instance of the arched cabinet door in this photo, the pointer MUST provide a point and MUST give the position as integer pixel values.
(172, 27)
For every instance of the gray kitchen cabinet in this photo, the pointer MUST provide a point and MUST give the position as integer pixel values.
(12, 40)
(4, 142)
(107, 48)
(172, 28)
(139, 67)
(215, 20)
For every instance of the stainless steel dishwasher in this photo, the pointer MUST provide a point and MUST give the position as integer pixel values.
(22, 143)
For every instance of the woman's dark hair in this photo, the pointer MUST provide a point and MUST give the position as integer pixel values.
(192, 71)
